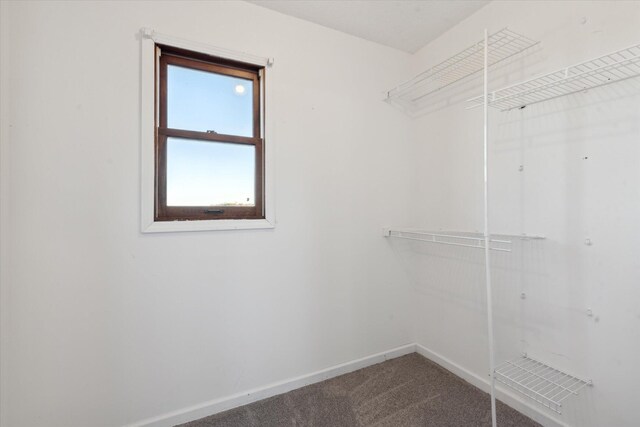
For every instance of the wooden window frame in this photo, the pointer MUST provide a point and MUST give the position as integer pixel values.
(194, 60)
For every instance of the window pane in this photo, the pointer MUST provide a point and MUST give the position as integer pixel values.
(202, 173)
(203, 101)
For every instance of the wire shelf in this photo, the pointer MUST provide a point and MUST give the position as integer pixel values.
(413, 95)
(497, 242)
(613, 67)
(540, 382)
(470, 240)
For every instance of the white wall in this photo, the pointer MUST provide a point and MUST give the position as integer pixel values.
(559, 194)
(102, 325)
(4, 190)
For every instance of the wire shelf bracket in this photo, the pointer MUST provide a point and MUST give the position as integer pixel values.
(610, 68)
(413, 95)
(540, 382)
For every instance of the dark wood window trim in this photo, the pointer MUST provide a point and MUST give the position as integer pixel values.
(194, 60)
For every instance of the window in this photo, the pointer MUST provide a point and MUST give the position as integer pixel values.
(209, 147)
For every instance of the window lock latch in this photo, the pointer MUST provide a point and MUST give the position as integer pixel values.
(214, 211)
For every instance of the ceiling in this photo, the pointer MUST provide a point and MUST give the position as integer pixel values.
(407, 25)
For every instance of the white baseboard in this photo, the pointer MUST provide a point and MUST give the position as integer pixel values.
(218, 405)
(229, 402)
(483, 384)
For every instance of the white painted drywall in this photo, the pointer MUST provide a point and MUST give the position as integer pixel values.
(104, 326)
(406, 25)
(4, 208)
(580, 179)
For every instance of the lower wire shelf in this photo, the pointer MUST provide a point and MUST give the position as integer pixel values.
(497, 242)
(540, 382)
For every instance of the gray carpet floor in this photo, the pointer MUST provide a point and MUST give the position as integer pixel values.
(407, 391)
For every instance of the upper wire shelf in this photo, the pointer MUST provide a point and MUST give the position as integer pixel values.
(540, 382)
(413, 95)
(613, 67)
(501, 243)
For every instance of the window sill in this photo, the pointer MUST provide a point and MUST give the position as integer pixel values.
(212, 225)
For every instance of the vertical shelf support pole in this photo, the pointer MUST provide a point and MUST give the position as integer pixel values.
(487, 259)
